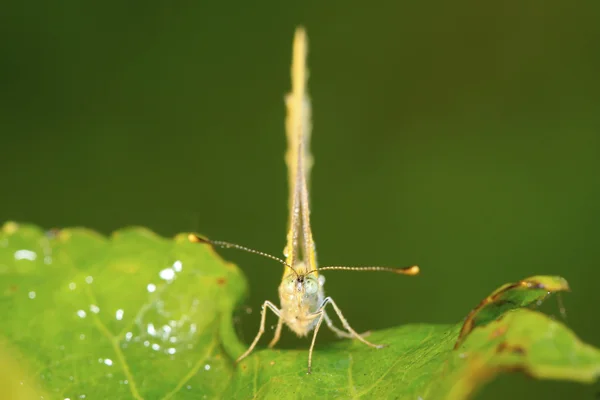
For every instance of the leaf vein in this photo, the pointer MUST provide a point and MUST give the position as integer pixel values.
(192, 371)
(115, 345)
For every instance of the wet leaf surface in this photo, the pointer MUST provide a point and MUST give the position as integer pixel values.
(135, 315)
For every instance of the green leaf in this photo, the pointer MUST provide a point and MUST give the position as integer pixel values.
(135, 315)
(521, 340)
(420, 362)
(139, 316)
(507, 297)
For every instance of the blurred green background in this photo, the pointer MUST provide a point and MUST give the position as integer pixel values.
(464, 137)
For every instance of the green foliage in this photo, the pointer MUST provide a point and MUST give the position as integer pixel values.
(135, 314)
(140, 316)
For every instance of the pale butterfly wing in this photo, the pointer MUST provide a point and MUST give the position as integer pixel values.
(299, 161)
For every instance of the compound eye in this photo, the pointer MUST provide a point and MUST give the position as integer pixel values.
(290, 285)
(311, 286)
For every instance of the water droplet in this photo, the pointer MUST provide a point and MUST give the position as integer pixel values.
(155, 346)
(108, 362)
(119, 314)
(89, 279)
(146, 343)
(150, 329)
(173, 339)
(188, 387)
(177, 266)
(94, 308)
(82, 396)
(171, 350)
(72, 286)
(81, 313)
(82, 336)
(151, 287)
(47, 260)
(167, 274)
(25, 255)
(128, 336)
(126, 381)
(31, 295)
(207, 367)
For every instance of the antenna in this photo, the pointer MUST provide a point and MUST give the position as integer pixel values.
(411, 271)
(226, 245)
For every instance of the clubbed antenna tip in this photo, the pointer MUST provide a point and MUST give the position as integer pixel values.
(197, 239)
(411, 271)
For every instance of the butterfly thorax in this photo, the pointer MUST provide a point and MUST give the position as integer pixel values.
(300, 295)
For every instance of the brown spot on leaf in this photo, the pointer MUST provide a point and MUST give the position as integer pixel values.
(12, 289)
(504, 347)
(221, 281)
(498, 332)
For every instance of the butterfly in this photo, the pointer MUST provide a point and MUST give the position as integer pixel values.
(303, 304)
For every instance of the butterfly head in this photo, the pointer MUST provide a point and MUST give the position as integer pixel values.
(304, 287)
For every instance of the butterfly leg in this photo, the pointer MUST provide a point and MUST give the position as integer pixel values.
(261, 330)
(353, 333)
(318, 314)
(335, 329)
(339, 332)
(275, 339)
